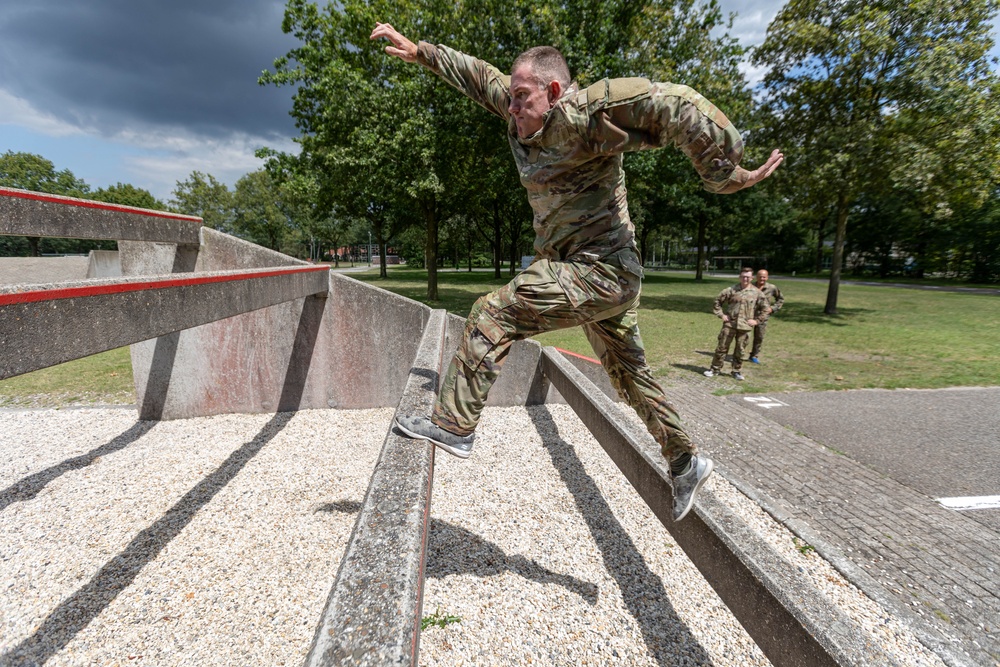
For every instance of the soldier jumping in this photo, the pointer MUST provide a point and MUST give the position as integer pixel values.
(568, 145)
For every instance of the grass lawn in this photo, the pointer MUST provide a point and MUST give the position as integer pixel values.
(883, 337)
(104, 378)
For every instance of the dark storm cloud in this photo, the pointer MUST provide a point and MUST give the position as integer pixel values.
(118, 64)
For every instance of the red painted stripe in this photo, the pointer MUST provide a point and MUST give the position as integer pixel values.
(86, 203)
(121, 288)
(579, 356)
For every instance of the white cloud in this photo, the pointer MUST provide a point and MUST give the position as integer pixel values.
(17, 111)
(169, 157)
(147, 156)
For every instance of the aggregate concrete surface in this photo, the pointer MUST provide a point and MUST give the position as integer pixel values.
(38, 270)
(214, 541)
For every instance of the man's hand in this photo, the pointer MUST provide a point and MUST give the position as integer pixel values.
(752, 323)
(401, 47)
(725, 318)
(755, 176)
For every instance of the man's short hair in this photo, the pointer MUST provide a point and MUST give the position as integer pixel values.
(746, 268)
(547, 63)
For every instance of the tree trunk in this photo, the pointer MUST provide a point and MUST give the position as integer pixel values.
(34, 243)
(430, 247)
(381, 257)
(820, 237)
(643, 245)
(515, 256)
(702, 233)
(497, 239)
(838, 256)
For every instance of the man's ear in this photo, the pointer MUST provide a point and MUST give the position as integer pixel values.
(555, 92)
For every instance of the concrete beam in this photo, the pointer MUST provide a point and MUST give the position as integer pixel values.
(372, 616)
(26, 213)
(791, 622)
(48, 325)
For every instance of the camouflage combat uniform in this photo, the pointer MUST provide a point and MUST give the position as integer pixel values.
(776, 301)
(740, 304)
(586, 270)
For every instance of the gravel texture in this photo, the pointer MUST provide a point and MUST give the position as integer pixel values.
(210, 541)
(548, 557)
(214, 541)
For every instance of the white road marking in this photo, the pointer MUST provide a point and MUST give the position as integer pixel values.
(765, 402)
(971, 503)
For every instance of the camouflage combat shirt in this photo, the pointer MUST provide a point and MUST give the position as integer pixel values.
(741, 304)
(572, 167)
(773, 294)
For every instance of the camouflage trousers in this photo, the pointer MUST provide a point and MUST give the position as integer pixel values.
(758, 338)
(552, 295)
(726, 338)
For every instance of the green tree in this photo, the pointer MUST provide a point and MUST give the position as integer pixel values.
(258, 214)
(27, 171)
(202, 195)
(874, 96)
(128, 195)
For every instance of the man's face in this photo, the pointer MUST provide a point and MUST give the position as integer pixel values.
(745, 278)
(762, 277)
(529, 101)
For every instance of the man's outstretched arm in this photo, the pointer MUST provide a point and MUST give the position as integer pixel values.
(482, 82)
(667, 114)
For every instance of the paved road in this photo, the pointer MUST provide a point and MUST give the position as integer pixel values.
(943, 443)
(935, 567)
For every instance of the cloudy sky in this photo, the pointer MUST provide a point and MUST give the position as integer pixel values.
(144, 92)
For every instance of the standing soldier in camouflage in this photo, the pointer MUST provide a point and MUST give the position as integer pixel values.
(568, 145)
(741, 307)
(776, 301)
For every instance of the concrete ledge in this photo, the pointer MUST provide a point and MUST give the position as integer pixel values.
(47, 325)
(26, 213)
(791, 622)
(372, 616)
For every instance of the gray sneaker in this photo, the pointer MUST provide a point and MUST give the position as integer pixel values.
(738, 375)
(711, 372)
(424, 429)
(686, 486)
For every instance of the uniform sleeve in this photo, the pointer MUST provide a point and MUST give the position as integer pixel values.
(677, 115)
(779, 299)
(719, 300)
(483, 83)
(763, 305)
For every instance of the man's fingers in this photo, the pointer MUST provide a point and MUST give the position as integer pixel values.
(766, 169)
(384, 30)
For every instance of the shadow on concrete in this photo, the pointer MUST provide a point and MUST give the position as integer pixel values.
(78, 610)
(154, 397)
(300, 359)
(642, 589)
(431, 376)
(455, 550)
(27, 488)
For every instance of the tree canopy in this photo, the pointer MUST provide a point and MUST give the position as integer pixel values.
(884, 105)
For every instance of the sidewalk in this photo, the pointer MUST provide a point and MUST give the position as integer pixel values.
(936, 568)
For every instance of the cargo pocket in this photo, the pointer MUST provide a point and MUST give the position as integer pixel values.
(572, 279)
(484, 333)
